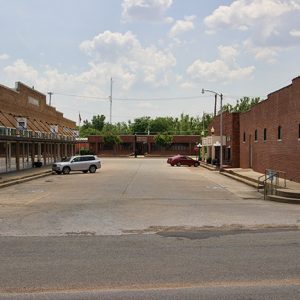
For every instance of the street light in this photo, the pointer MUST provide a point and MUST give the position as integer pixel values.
(221, 124)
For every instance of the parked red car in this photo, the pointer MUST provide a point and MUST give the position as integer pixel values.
(179, 160)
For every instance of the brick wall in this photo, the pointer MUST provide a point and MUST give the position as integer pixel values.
(16, 101)
(282, 108)
(231, 129)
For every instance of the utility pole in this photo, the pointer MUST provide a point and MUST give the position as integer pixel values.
(110, 100)
(50, 94)
(215, 110)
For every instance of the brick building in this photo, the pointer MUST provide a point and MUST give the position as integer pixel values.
(30, 130)
(265, 137)
(144, 144)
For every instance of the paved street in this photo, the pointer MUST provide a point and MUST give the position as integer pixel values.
(140, 229)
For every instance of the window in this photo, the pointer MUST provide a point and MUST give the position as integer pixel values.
(3, 131)
(279, 133)
(265, 134)
(255, 135)
(244, 137)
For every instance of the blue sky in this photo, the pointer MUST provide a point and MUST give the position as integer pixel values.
(160, 53)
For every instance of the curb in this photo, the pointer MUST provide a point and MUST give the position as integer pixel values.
(24, 179)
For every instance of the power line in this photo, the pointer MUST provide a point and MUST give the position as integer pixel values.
(132, 99)
(81, 96)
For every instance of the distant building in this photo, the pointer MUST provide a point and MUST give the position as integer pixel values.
(30, 130)
(265, 137)
(144, 145)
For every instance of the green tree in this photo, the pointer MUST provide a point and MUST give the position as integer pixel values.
(162, 124)
(163, 139)
(242, 105)
(110, 138)
(98, 122)
(140, 125)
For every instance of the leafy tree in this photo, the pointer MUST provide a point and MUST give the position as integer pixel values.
(242, 105)
(140, 125)
(161, 124)
(85, 132)
(98, 122)
(163, 139)
(110, 138)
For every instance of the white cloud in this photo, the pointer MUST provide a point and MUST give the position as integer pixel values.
(223, 69)
(21, 70)
(182, 26)
(295, 33)
(268, 23)
(243, 14)
(146, 10)
(4, 56)
(124, 55)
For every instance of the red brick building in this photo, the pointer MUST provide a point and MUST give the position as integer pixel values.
(144, 144)
(30, 130)
(270, 133)
(265, 137)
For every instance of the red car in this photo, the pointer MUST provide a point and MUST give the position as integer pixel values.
(179, 160)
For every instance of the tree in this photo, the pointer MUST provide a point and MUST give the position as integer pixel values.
(111, 138)
(98, 122)
(140, 125)
(164, 139)
(242, 105)
(161, 124)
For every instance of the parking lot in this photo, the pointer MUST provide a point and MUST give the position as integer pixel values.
(140, 195)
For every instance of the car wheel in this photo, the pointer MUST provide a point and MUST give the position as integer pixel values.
(172, 165)
(196, 164)
(92, 169)
(85, 171)
(178, 164)
(66, 170)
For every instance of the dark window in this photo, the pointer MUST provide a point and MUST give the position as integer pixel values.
(244, 137)
(265, 134)
(279, 133)
(255, 135)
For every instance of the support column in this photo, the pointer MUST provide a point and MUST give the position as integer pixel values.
(17, 155)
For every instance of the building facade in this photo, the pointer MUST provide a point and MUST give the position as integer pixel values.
(265, 137)
(31, 132)
(144, 145)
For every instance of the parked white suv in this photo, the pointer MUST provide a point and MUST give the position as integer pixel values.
(82, 163)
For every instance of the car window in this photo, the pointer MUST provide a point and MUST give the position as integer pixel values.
(76, 159)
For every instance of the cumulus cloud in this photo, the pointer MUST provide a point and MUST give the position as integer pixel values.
(295, 33)
(125, 54)
(4, 56)
(21, 70)
(269, 24)
(182, 26)
(146, 10)
(223, 69)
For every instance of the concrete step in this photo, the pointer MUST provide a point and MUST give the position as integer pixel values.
(283, 199)
(241, 176)
(288, 193)
(24, 179)
(240, 179)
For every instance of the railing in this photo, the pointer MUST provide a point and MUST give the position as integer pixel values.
(272, 181)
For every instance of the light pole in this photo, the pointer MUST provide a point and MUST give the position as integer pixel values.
(221, 124)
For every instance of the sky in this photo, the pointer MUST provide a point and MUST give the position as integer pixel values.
(160, 54)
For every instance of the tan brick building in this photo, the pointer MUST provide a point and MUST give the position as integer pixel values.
(30, 130)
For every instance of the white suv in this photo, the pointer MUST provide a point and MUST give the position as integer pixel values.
(82, 163)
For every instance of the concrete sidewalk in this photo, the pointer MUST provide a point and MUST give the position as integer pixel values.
(15, 177)
(252, 176)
